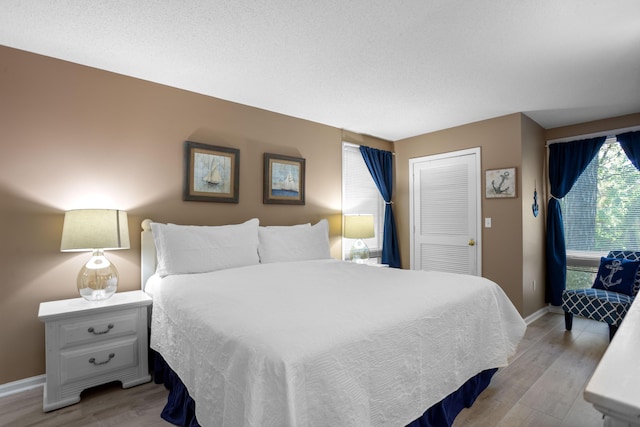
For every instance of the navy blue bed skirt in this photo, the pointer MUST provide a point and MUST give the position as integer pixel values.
(180, 407)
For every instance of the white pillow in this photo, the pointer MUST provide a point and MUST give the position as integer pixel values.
(297, 243)
(286, 227)
(186, 249)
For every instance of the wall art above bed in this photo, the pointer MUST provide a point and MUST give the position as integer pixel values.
(283, 180)
(211, 173)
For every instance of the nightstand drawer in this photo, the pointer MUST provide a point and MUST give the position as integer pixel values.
(98, 360)
(98, 327)
(89, 344)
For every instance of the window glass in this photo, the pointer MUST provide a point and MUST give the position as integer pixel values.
(360, 195)
(601, 212)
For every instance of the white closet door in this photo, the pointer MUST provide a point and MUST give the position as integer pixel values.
(445, 212)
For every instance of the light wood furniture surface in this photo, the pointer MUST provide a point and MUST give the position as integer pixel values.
(93, 343)
(614, 388)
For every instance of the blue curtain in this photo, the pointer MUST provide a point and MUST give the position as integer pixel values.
(630, 143)
(567, 161)
(380, 165)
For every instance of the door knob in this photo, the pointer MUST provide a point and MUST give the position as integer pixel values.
(472, 242)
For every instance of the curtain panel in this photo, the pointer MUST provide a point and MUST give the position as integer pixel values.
(567, 161)
(630, 143)
(380, 165)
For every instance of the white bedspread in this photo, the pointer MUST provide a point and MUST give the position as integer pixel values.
(328, 343)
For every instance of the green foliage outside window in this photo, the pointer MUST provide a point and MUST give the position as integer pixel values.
(580, 278)
(618, 210)
(602, 210)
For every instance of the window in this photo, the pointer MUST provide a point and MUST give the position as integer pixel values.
(360, 195)
(601, 213)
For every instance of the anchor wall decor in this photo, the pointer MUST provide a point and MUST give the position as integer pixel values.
(500, 183)
(535, 207)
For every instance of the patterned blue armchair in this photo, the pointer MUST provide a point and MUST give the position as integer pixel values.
(601, 303)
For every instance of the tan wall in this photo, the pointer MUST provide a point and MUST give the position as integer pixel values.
(533, 228)
(77, 137)
(500, 144)
(73, 137)
(596, 126)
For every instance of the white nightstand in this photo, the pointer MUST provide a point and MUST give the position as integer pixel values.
(92, 343)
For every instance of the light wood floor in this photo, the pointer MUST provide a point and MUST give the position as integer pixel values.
(542, 386)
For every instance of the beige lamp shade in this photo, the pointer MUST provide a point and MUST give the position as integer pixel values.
(358, 226)
(87, 229)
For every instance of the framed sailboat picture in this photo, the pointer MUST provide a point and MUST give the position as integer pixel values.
(283, 179)
(212, 173)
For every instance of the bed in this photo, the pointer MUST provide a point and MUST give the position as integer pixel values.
(263, 328)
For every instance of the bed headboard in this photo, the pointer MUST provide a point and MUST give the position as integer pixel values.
(147, 253)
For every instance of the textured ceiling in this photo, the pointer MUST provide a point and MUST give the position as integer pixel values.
(383, 68)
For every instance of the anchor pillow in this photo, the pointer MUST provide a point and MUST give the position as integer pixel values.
(617, 275)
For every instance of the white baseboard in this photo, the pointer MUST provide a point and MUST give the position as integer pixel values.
(22, 385)
(544, 310)
(536, 315)
(556, 309)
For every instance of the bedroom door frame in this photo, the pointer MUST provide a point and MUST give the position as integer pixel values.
(471, 157)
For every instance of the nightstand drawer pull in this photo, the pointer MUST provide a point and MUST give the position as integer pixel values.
(93, 331)
(93, 360)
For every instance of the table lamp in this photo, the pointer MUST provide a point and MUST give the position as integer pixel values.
(96, 230)
(359, 227)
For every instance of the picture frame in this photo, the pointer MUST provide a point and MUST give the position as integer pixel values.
(283, 180)
(500, 183)
(212, 173)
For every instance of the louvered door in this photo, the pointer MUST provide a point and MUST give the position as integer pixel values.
(445, 212)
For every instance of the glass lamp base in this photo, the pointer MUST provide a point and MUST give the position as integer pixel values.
(359, 252)
(98, 278)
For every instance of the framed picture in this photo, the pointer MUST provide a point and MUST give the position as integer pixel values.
(283, 180)
(500, 183)
(212, 173)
